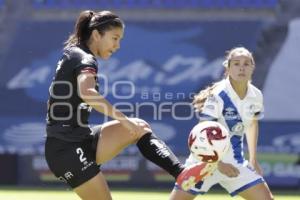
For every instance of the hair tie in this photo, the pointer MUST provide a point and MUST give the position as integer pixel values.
(225, 63)
(95, 24)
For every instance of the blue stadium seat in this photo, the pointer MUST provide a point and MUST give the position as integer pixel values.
(141, 4)
(2, 3)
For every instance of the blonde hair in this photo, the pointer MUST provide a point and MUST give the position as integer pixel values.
(200, 98)
(237, 51)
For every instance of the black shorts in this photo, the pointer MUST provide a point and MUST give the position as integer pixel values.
(72, 162)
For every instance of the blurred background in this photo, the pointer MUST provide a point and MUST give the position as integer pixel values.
(171, 50)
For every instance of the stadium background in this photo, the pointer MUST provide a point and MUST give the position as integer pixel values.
(171, 49)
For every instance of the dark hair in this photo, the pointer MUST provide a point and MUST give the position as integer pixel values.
(88, 21)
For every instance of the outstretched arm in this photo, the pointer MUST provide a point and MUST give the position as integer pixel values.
(86, 90)
(252, 137)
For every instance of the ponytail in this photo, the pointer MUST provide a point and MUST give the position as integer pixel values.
(81, 31)
(89, 21)
(200, 98)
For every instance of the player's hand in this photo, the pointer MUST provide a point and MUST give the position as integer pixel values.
(257, 167)
(228, 169)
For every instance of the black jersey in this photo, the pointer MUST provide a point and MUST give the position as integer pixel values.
(67, 115)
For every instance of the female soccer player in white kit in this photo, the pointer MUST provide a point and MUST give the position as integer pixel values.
(237, 104)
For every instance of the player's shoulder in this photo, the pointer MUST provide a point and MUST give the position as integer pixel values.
(79, 54)
(214, 97)
(218, 87)
(255, 91)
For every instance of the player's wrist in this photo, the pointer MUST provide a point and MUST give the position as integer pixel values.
(253, 161)
(118, 115)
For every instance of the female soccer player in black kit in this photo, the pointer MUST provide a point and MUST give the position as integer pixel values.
(73, 149)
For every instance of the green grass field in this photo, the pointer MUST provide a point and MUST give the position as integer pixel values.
(42, 194)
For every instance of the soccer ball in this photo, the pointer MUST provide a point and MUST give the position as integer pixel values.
(209, 141)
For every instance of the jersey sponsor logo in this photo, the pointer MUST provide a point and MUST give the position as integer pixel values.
(230, 113)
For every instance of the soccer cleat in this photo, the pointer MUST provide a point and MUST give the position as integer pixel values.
(191, 175)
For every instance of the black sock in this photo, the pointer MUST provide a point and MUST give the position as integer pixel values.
(159, 153)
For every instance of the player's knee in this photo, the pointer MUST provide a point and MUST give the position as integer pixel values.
(268, 197)
(268, 194)
(271, 197)
(146, 127)
(264, 195)
(141, 122)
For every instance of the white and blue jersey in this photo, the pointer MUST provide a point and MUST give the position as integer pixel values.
(236, 114)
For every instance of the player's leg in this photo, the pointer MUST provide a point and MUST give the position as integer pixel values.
(74, 162)
(258, 192)
(114, 138)
(181, 195)
(95, 188)
(248, 184)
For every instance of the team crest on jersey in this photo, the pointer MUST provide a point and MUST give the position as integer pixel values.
(238, 129)
(254, 108)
